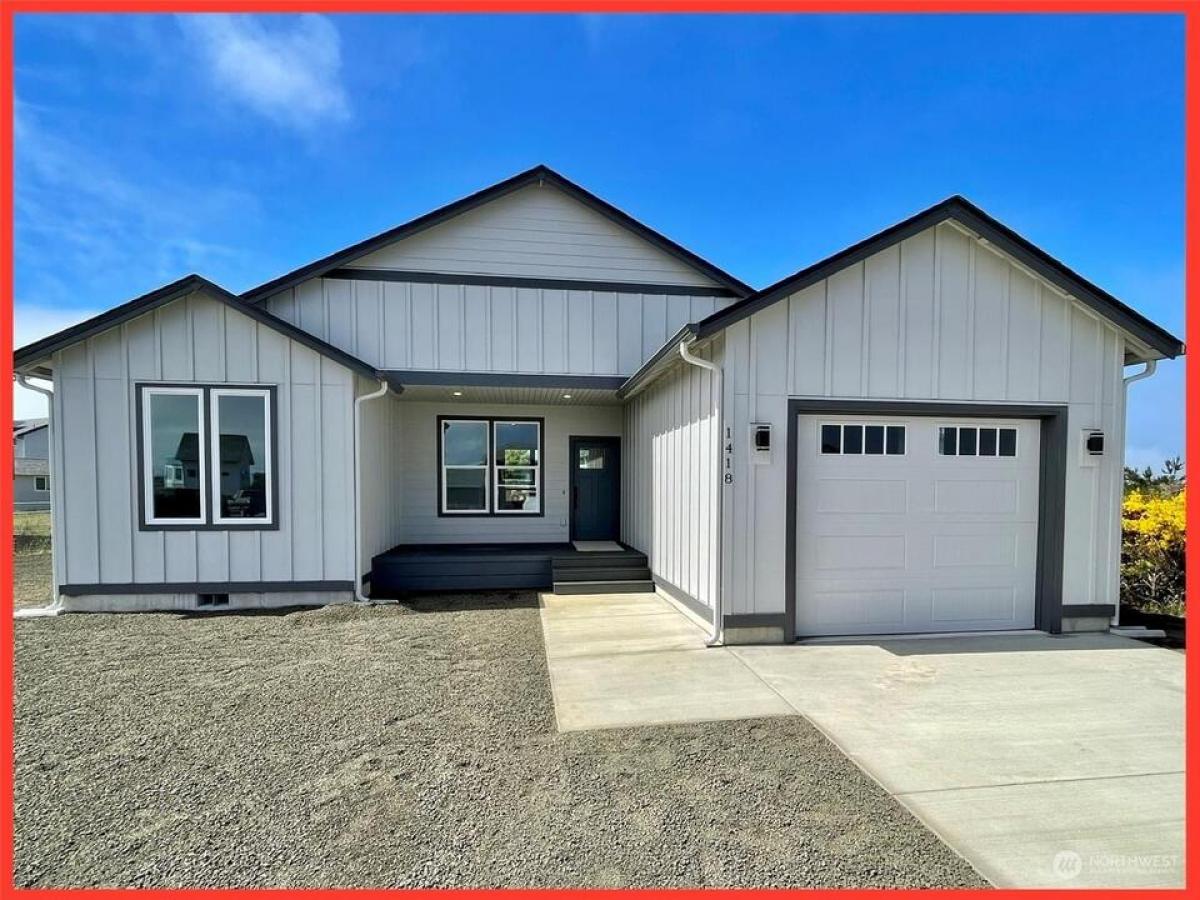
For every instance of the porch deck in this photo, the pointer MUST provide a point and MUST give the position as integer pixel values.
(465, 567)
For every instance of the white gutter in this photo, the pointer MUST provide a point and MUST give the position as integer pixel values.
(55, 606)
(1151, 366)
(716, 639)
(359, 596)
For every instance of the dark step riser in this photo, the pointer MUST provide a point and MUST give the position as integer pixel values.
(420, 569)
(604, 587)
(634, 574)
(601, 563)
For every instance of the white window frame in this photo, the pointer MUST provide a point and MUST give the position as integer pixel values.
(147, 393)
(536, 468)
(215, 395)
(841, 427)
(486, 467)
(45, 480)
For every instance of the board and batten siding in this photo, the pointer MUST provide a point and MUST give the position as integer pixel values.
(381, 466)
(482, 328)
(416, 441)
(198, 339)
(939, 316)
(670, 506)
(535, 232)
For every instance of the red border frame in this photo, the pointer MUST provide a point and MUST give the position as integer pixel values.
(1190, 9)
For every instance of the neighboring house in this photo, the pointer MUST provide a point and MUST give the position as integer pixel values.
(921, 433)
(31, 464)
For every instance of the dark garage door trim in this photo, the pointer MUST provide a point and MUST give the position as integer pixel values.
(1052, 479)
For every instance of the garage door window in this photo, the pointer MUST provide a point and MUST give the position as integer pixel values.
(972, 440)
(862, 440)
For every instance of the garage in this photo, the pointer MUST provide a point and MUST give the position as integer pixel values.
(914, 524)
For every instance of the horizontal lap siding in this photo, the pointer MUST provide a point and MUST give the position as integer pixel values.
(197, 339)
(417, 440)
(938, 317)
(670, 511)
(479, 328)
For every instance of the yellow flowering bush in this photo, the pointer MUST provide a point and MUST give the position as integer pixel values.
(1153, 535)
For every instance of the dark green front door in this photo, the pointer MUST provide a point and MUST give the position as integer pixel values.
(595, 488)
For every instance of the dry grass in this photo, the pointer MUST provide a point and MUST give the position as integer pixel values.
(31, 559)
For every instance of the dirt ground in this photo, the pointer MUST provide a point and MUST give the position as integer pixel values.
(407, 746)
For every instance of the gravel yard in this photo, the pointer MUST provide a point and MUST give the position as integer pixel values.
(408, 746)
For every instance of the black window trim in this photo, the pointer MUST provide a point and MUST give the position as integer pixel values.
(841, 426)
(206, 389)
(978, 427)
(490, 512)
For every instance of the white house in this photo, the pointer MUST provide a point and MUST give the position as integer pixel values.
(921, 433)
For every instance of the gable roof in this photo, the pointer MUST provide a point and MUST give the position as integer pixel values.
(38, 351)
(538, 174)
(23, 427)
(966, 213)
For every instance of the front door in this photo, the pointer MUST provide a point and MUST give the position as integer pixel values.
(595, 488)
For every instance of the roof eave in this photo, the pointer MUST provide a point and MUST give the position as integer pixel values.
(983, 225)
(537, 174)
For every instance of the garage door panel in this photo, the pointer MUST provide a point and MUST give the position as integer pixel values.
(848, 552)
(858, 609)
(976, 497)
(918, 541)
(862, 496)
(976, 605)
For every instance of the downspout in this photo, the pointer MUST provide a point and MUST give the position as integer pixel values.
(1151, 366)
(55, 606)
(359, 596)
(717, 637)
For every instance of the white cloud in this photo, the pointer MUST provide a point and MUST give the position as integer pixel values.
(31, 323)
(285, 68)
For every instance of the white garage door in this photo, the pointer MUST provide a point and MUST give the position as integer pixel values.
(915, 524)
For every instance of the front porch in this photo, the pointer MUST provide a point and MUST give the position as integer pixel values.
(563, 567)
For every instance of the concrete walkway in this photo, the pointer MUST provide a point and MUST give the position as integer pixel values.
(1045, 761)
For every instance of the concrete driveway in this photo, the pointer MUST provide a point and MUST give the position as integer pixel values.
(1045, 761)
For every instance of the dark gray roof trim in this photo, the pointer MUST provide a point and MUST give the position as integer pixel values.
(658, 361)
(560, 284)
(537, 174)
(23, 427)
(961, 210)
(176, 290)
(414, 377)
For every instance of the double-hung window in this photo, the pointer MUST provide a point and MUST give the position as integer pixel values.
(489, 466)
(207, 456)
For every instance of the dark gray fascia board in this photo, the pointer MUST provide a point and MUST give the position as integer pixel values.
(189, 284)
(968, 214)
(413, 377)
(43, 348)
(537, 174)
(560, 284)
(652, 365)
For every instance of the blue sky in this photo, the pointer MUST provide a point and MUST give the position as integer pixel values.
(242, 147)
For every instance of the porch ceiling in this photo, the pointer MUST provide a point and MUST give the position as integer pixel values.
(540, 396)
